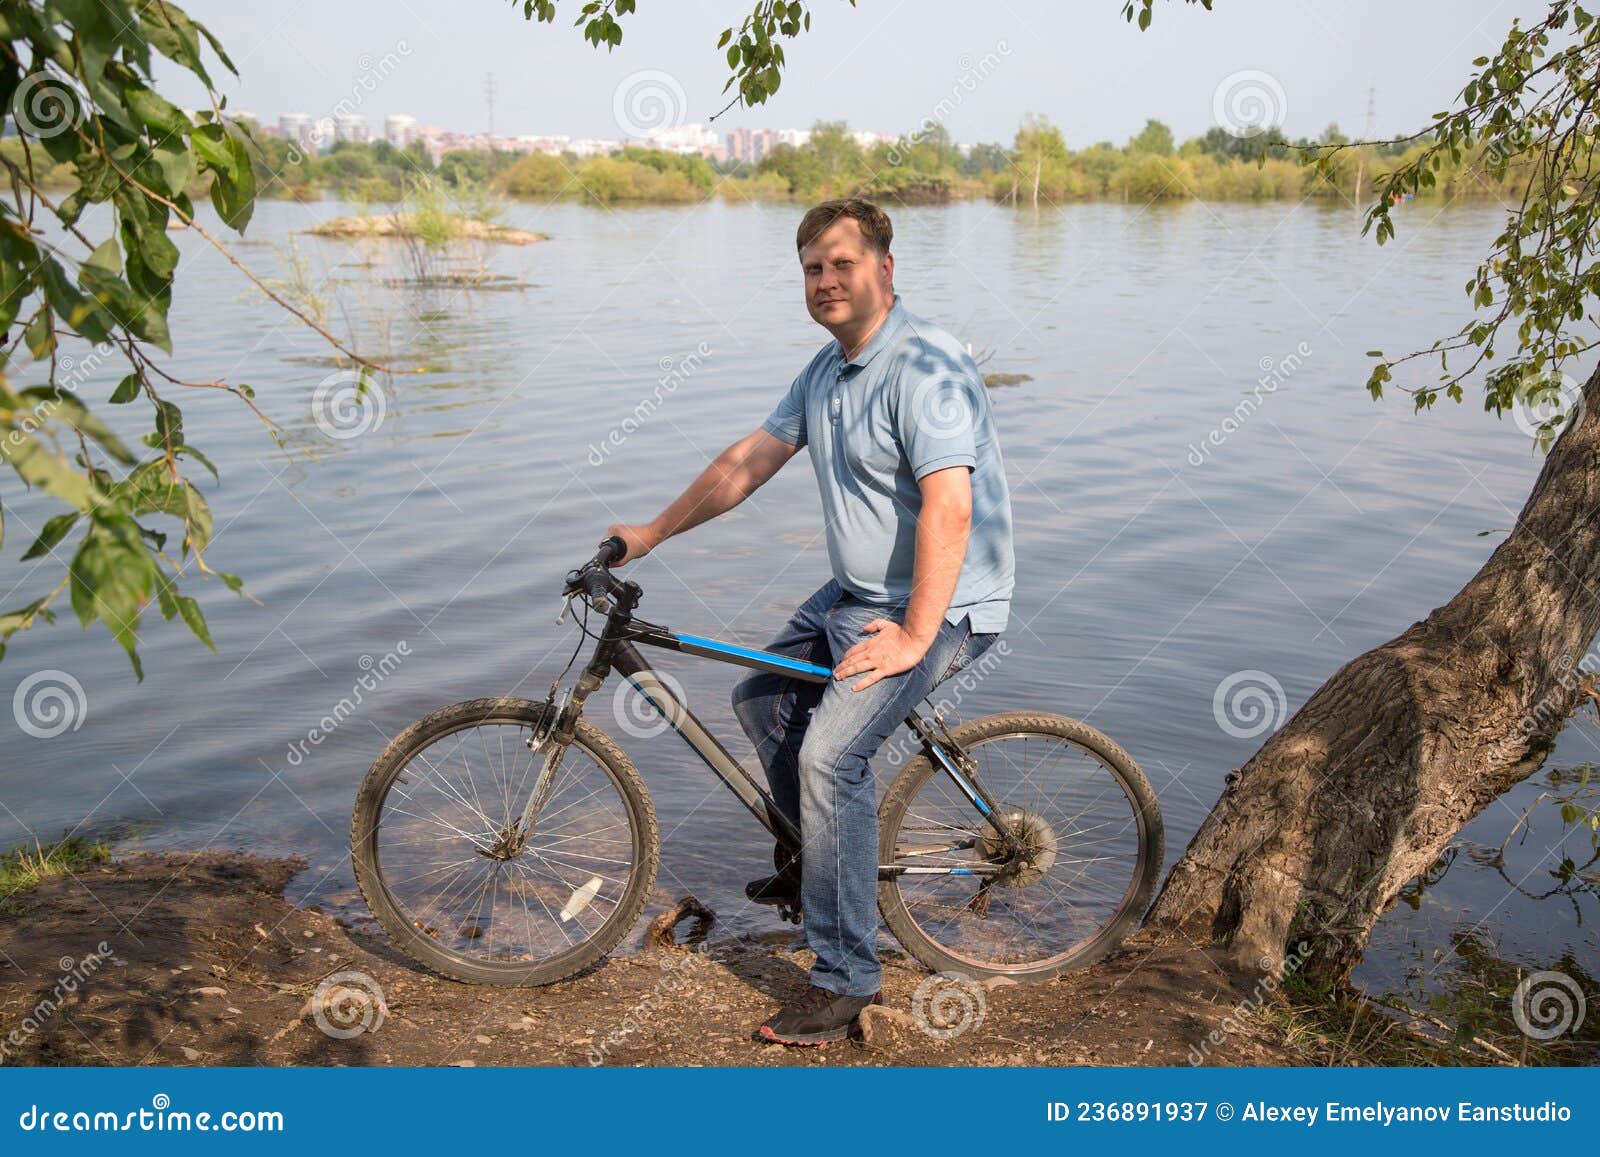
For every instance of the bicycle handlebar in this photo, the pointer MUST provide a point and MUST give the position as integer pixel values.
(594, 578)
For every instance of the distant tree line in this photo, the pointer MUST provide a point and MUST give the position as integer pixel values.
(1038, 167)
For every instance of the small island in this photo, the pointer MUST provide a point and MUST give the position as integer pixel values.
(406, 226)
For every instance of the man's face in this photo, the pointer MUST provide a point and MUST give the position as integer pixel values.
(847, 282)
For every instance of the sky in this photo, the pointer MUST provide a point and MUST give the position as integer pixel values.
(889, 65)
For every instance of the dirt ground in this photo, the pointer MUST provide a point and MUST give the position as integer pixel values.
(174, 960)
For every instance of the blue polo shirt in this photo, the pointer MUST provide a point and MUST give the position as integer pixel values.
(911, 402)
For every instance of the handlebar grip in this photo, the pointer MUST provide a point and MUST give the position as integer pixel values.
(611, 550)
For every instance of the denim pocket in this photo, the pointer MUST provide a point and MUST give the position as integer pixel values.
(963, 654)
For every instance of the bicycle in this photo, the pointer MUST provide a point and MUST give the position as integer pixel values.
(985, 862)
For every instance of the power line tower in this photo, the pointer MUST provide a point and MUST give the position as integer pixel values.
(488, 95)
(1370, 127)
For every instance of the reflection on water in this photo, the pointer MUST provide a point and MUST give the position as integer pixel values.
(1318, 525)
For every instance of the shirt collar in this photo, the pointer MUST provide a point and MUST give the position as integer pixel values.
(891, 323)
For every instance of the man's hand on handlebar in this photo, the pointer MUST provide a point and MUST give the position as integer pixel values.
(640, 541)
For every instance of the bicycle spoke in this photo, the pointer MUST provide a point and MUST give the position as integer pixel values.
(485, 889)
(1049, 789)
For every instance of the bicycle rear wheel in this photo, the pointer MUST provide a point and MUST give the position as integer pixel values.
(1093, 850)
(437, 854)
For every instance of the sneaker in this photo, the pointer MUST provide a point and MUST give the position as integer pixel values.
(816, 1016)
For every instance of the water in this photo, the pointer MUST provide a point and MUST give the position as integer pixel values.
(1154, 560)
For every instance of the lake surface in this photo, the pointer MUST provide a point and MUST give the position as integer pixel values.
(1160, 551)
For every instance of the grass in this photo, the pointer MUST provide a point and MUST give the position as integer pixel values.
(22, 868)
(1351, 1028)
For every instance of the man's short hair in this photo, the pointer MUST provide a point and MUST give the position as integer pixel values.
(874, 222)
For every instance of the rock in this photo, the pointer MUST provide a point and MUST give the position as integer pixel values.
(211, 990)
(189, 1053)
(483, 1040)
(995, 982)
(882, 1027)
(462, 1065)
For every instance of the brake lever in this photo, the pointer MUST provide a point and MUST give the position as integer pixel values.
(566, 605)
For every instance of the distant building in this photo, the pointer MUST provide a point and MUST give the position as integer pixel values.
(686, 139)
(349, 127)
(399, 129)
(750, 145)
(295, 127)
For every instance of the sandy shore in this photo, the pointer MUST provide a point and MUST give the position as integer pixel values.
(174, 959)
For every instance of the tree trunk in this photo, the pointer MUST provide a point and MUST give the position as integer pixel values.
(1366, 783)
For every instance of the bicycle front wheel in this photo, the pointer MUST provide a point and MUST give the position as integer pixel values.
(453, 874)
(1091, 848)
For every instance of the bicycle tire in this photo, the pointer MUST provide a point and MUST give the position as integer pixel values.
(1144, 808)
(424, 949)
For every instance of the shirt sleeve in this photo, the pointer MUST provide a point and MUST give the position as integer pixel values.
(787, 422)
(940, 402)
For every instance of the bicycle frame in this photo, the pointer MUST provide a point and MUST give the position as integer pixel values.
(616, 651)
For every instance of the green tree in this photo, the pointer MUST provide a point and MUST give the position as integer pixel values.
(1039, 162)
(1154, 139)
(1364, 786)
(984, 158)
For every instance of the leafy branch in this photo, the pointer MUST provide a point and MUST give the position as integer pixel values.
(77, 85)
(1528, 115)
(754, 52)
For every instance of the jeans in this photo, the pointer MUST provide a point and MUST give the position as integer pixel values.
(815, 742)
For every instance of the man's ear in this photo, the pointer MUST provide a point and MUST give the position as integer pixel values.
(888, 267)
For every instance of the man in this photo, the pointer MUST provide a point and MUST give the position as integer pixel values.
(919, 536)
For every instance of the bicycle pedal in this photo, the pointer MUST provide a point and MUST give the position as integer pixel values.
(790, 912)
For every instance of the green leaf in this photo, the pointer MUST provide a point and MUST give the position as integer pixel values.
(65, 406)
(40, 336)
(127, 389)
(192, 615)
(49, 471)
(112, 577)
(13, 621)
(54, 531)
